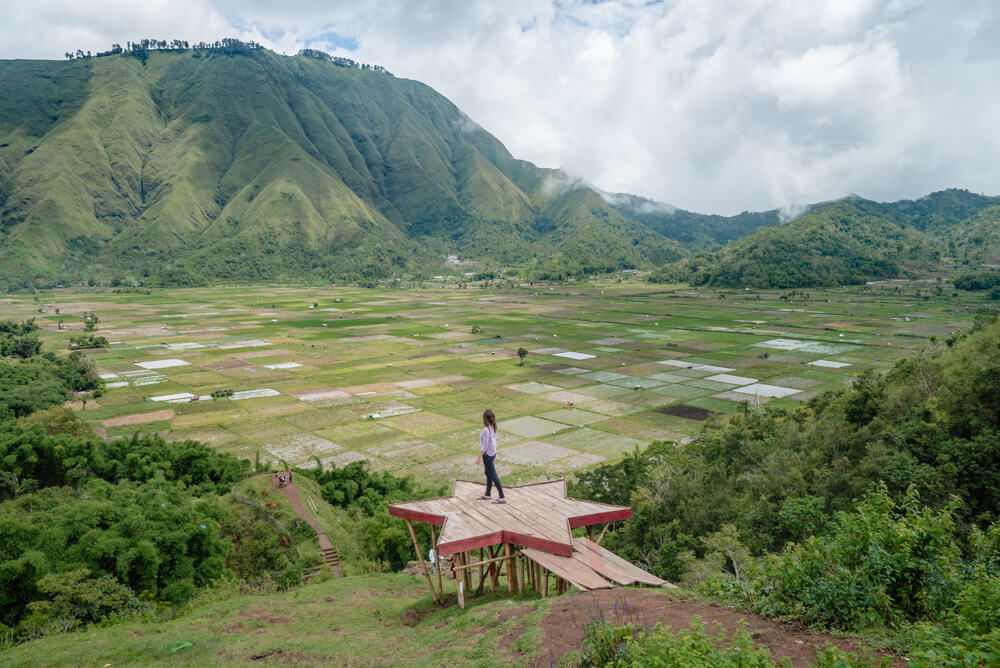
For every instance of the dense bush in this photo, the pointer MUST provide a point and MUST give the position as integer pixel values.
(983, 280)
(155, 538)
(628, 644)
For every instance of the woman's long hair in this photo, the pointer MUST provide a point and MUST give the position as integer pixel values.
(490, 419)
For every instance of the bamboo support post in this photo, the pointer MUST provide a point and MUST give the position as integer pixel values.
(437, 562)
(420, 557)
(603, 531)
(467, 573)
(590, 532)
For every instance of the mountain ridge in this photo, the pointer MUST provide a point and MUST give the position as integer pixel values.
(197, 167)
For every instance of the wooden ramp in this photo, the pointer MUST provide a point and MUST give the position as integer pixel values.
(611, 566)
(590, 564)
(575, 572)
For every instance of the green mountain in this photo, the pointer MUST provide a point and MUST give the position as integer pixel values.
(851, 241)
(214, 164)
(696, 231)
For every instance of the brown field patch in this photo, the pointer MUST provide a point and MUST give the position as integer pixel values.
(139, 418)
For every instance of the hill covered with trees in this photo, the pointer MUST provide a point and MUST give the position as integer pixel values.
(849, 241)
(229, 162)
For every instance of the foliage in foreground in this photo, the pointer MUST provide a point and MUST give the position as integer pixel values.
(628, 644)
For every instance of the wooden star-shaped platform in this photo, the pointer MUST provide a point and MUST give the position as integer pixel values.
(539, 516)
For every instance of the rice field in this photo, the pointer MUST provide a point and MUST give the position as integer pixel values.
(399, 378)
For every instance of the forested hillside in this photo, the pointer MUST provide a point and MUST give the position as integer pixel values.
(698, 232)
(850, 241)
(192, 165)
(877, 507)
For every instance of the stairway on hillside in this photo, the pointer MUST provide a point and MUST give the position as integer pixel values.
(326, 548)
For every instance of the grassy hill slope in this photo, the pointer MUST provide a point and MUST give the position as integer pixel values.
(839, 243)
(195, 166)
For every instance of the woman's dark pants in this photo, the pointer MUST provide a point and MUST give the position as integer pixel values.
(491, 475)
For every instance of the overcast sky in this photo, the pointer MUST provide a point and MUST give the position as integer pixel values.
(708, 105)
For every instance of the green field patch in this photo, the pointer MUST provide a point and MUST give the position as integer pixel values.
(641, 382)
(598, 442)
(423, 423)
(711, 385)
(214, 436)
(740, 398)
(693, 373)
(533, 453)
(578, 462)
(631, 427)
(298, 449)
(608, 407)
(605, 376)
(716, 405)
(359, 435)
(161, 427)
(679, 391)
(643, 398)
(409, 451)
(669, 377)
(533, 387)
(567, 397)
(572, 416)
(262, 431)
(463, 467)
(531, 427)
(311, 419)
(229, 417)
(796, 382)
(602, 391)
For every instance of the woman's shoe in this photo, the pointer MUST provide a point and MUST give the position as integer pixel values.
(484, 498)
(500, 501)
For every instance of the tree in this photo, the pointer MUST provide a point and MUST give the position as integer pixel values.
(522, 353)
(90, 321)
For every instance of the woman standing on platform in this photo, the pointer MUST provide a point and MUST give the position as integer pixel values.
(488, 453)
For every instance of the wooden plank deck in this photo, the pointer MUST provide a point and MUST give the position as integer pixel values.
(538, 515)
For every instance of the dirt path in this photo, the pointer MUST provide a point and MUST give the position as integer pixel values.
(291, 492)
(562, 629)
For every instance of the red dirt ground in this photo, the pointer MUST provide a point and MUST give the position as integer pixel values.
(562, 629)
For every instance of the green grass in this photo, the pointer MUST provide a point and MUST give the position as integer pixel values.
(362, 620)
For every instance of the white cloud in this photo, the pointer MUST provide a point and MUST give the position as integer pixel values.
(709, 105)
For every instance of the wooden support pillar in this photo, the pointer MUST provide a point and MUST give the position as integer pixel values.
(467, 573)
(590, 532)
(603, 531)
(520, 580)
(420, 557)
(437, 561)
(511, 577)
(494, 570)
(545, 582)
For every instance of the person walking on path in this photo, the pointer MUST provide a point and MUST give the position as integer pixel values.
(488, 453)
